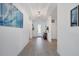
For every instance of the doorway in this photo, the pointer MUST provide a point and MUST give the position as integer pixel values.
(39, 30)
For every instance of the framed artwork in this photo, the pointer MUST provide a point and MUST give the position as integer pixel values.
(53, 21)
(10, 16)
(74, 16)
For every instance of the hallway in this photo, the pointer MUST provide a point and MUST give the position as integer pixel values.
(19, 22)
(40, 47)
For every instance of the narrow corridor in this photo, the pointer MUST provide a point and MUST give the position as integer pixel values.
(40, 47)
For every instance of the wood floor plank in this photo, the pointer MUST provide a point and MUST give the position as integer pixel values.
(40, 47)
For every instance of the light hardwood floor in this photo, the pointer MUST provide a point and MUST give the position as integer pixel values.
(40, 47)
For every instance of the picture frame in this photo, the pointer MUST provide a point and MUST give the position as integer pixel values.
(10, 16)
(52, 21)
(75, 16)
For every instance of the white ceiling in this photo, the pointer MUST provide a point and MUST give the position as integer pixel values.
(45, 9)
(39, 10)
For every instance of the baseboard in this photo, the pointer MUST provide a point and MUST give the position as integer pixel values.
(58, 53)
(23, 47)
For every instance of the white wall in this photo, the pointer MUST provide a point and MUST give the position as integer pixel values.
(52, 33)
(54, 25)
(30, 29)
(68, 37)
(43, 24)
(49, 32)
(13, 40)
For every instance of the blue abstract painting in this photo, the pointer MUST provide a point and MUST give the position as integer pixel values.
(74, 16)
(10, 16)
